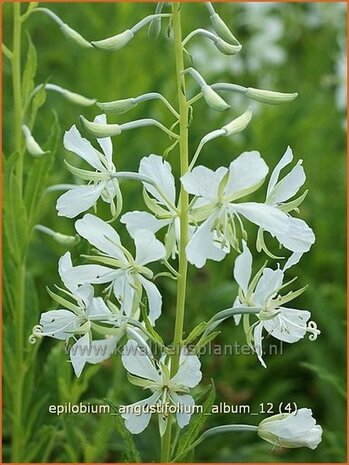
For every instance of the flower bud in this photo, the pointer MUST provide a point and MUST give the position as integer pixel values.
(74, 36)
(291, 430)
(238, 124)
(115, 42)
(212, 99)
(222, 29)
(268, 96)
(99, 130)
(32, 146)
(64, 239)
(117, 107)
(226, 48)
(71, 96)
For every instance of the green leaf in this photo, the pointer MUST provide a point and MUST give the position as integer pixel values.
(192, 432)
(29, 71)
(196, 332)
(132, 454)
(37, 102)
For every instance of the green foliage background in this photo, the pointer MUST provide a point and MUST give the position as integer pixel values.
(310, 374)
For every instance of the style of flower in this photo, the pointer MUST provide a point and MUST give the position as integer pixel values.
(128, 276)
(217, 193)
(161, 201)
(291, 430)
(166, 390)
(76, 319)
(299, 237)
(262, 292)
(101, 183)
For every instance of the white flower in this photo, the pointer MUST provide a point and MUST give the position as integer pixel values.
(147, 373)
(161, 201)
(76, 319)
(128, 276)
(299, 237)
(217, 193)
(291, 430)
(101, 184)
(285, 324)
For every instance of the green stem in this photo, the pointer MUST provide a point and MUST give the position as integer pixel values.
(16, 85)
(184, 203)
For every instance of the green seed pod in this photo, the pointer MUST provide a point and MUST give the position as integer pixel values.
(212, 99)
(74, 36)
(115, 42)
(100, 130)
(117, 107)
(270, 97)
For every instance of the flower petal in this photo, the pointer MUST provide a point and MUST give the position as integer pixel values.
(189, 372)
(101, 235)
(148, 248)
(184, 404)
(59, 324)
(102, 349)
(65, 264)
(93, 274)
(142, 220)
(75, 143)
(257, 337)
(289, 325)
(288, 186)
(268, 285)
(154, 299)
(285, 160)
(105, 143)
(243, 268)
(299, 237)
(269, 218)
(203, 182)
(246, 173)
(137, 422)
(79, 353)
(160, 171)
(79, 199)
(138, 363)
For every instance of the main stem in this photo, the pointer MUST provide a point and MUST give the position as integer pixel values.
(183, 216)
(17, 432)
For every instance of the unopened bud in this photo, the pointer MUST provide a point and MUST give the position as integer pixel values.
(64, 239)
(75, 36)
(32, 146)
(238, 124)
(268, 96)
(222, 29)
(227, 49)
(99, 130)
(117, 107)
(71, 96)
(212, 99)
(115, 42)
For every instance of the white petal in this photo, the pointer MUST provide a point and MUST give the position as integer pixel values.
(288, 186)
(189, 372)
(101, 235)
(159, 170)
(138, 363)
(246, 173)
(289, 326)
(124, 291)
(203, 182)
(85, 293)
(59, 324)
(102, 349)
(299, 237)
(268, 285)
(65, 264)
(202, 246)
(269, 218)
(185, 404)
(134, 422)
(78, 199)
(292, 260)
(148, 248)
(79, 353)
(243, 268)
(285, 160)
(82, 147)
(292, 425)
(105, 143)
(94, 274)
(142, 220)
(257, 337)
(154, 299)
(98, 309)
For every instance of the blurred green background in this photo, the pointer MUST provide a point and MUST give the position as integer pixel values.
(286, 47)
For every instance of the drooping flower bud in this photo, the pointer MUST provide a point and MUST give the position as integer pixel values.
(117, 107)
(291, 430)
(74, 36)
(71, 96)
(115, 42)
(226, 48)
(271, 97)
(212, 99)
(222, 29)
(238, 124)
(99, 130)
(32, 146)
